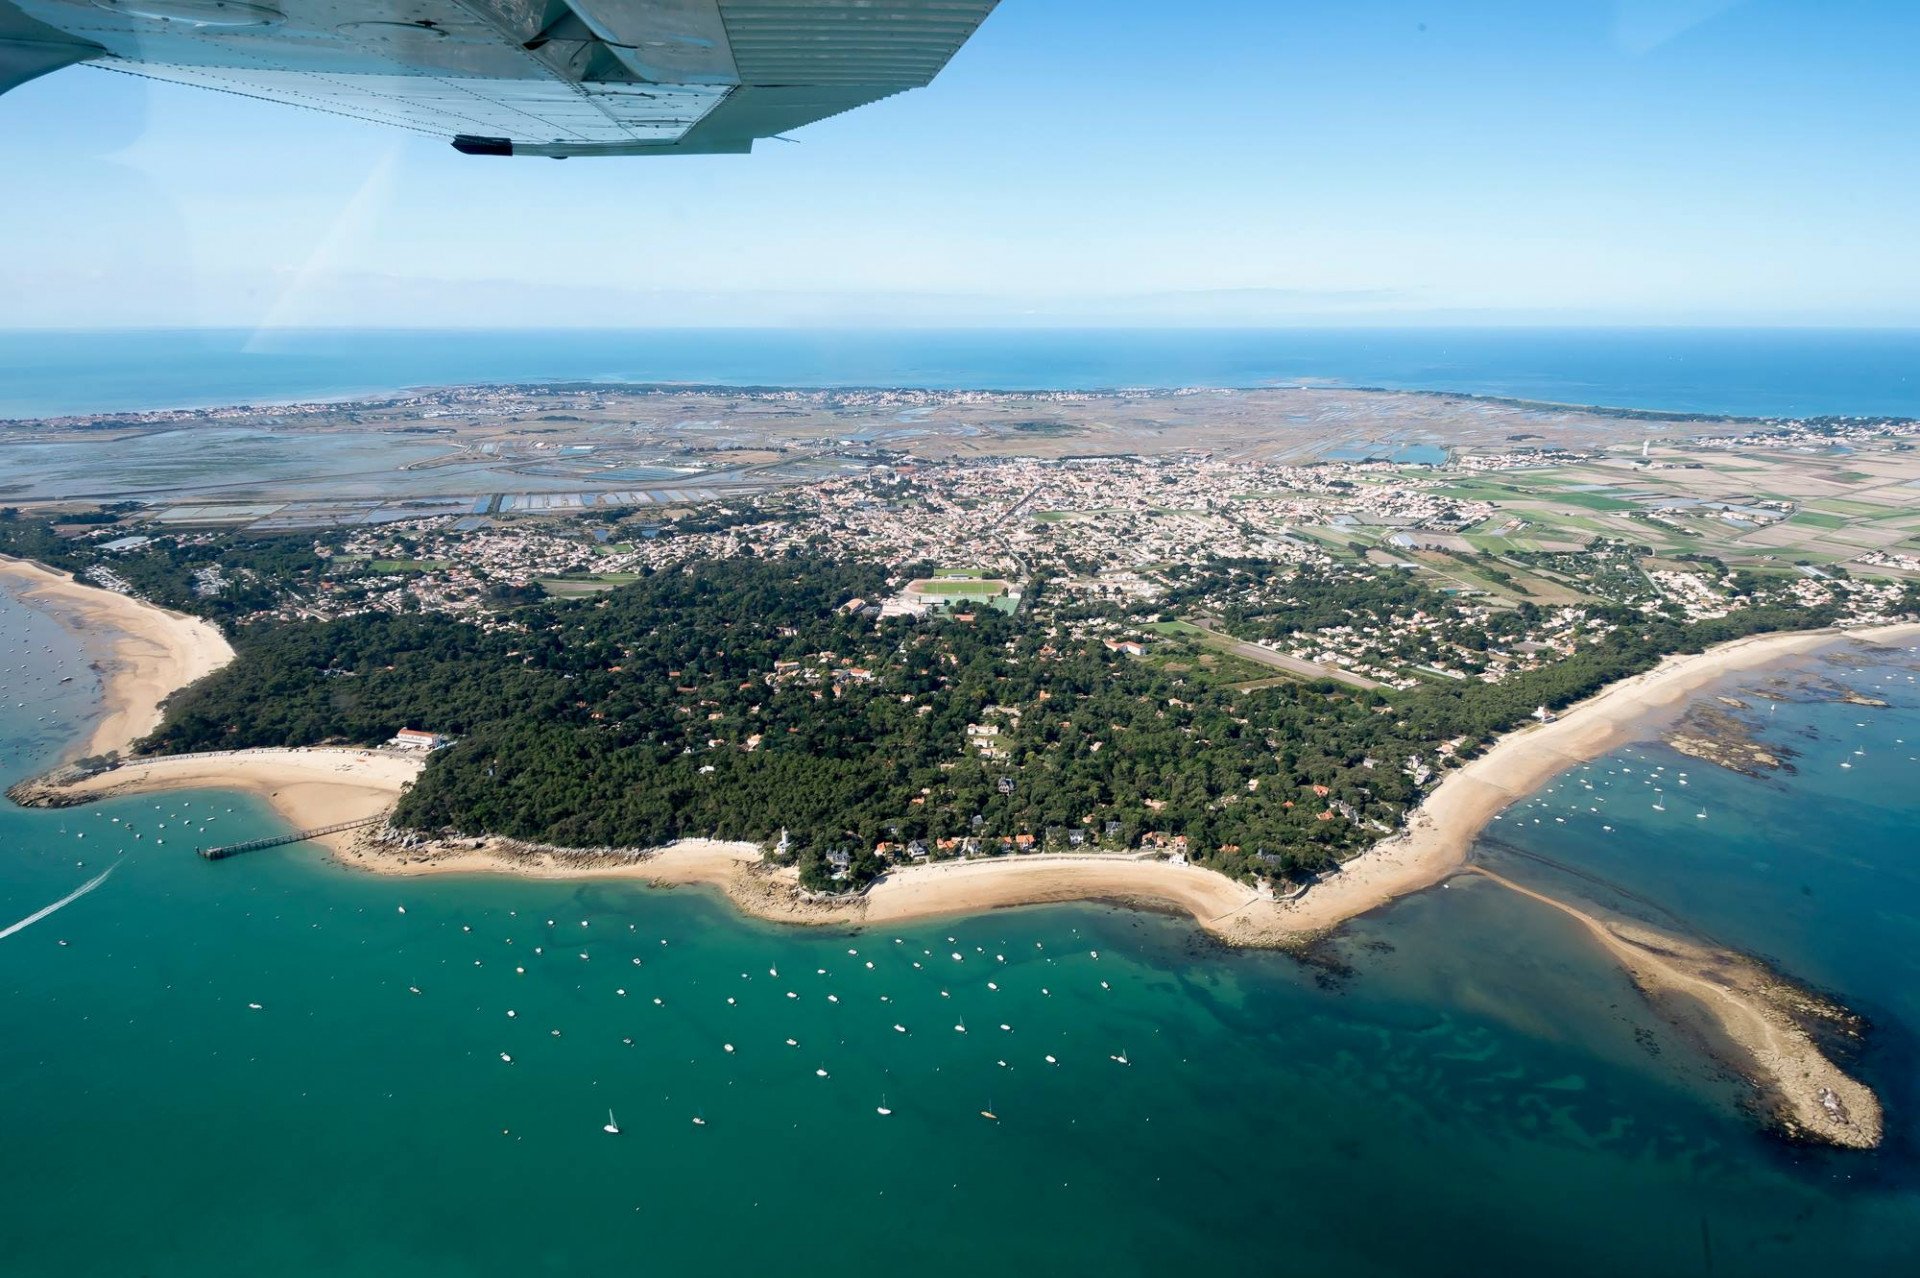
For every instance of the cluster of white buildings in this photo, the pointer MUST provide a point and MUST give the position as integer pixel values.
(1112, 517)
(1696, 594)
(1810, 434)
(1115, 529)
(1516, 459)
(1894, 559)
(1702, 595)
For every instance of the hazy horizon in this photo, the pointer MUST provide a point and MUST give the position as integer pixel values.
(1464, 325)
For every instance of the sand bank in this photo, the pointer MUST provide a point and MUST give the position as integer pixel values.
(1753, 1012)
(319, 786)
(147, 653)
(1752, 1009)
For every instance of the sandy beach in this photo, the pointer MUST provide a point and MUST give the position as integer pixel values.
(1753, 1012)
(770, 892)
(309, 787)
(148, 653)
(1441, 831)
(1433, 847)
(319, 786)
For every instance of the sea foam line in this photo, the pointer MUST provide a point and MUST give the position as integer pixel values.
(60, 904)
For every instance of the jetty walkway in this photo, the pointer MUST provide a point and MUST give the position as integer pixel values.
(276, 840)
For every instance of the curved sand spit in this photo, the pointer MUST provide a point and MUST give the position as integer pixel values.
(308, 787)
(323, 785)
(1751, 1009)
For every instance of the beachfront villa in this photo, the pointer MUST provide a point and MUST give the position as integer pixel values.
(416, 739)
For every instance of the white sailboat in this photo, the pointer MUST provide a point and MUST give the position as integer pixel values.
(612, 1128)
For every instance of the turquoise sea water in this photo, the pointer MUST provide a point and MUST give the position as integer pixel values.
(1461, 1086)
(1755, 372)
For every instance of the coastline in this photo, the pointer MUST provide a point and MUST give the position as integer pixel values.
(1432, 848)
(311, 786)
(306, 786)
(1440, 832)
(1752, 1009)
(150, 652)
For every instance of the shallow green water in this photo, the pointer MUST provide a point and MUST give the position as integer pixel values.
(1477, 1094)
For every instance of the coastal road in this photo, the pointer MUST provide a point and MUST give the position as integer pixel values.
(1279, 660)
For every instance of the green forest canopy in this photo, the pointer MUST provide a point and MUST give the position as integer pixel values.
(739, 699)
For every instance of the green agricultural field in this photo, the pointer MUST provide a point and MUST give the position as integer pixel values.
(1853, 509)
(1479, 490)
(1542, 517)
(1590, 501)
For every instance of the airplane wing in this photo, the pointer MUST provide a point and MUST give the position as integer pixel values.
(517, 77)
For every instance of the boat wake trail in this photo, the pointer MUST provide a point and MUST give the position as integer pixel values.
(60, 904)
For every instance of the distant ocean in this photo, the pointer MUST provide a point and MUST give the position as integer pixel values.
(1748, 372)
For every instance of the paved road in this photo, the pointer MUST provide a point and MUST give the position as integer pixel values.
(1279, 660)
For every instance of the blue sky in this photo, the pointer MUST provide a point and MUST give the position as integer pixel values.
(1080, 161)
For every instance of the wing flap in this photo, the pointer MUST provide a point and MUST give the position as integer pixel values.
(891, 44)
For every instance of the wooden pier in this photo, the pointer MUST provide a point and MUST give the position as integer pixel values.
(274, 841)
